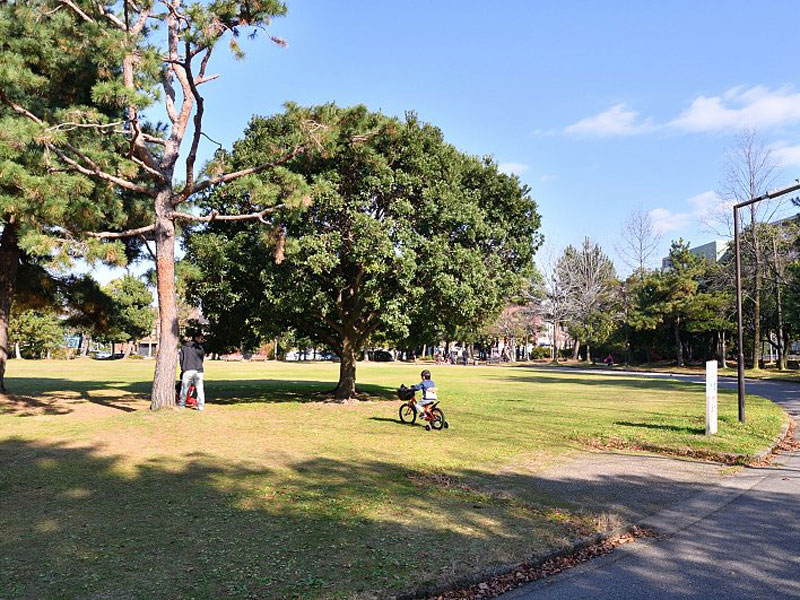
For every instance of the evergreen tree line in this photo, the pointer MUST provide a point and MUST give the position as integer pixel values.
(77, 307)
(684, 312)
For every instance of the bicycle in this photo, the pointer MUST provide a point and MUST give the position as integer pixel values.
(191, 395)
(432, 414)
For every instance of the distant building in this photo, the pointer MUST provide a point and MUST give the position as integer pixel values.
(710, 252)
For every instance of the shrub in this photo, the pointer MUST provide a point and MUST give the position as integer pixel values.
(541, 352)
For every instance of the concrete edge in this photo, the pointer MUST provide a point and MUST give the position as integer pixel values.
(535, 561)
(761, 455)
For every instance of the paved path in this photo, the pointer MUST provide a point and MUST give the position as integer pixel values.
(738, 538)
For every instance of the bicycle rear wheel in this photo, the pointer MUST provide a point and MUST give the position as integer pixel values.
(437, 421)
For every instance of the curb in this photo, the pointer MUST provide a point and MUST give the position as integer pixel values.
(759, 456)
(535, 561)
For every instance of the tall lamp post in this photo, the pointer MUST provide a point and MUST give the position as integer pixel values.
(740, 328)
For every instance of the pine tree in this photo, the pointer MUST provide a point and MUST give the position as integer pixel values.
(44, 207)
(130, 154)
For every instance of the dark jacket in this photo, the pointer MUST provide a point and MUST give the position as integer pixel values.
(192, 355)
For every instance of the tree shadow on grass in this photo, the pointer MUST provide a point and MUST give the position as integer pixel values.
(44, 395)
(29, 406)
(606, 381)
(53, 395)
(239, 391)
(675, 428)
(80, 523)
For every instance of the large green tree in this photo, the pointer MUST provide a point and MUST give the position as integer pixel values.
(680, 300)
(132, 313)
(36, 332)
(153, 56)
(403, 228)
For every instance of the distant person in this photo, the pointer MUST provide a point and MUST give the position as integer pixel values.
(191, 356)
(609, 360)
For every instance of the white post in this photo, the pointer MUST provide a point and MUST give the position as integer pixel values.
(711, 397)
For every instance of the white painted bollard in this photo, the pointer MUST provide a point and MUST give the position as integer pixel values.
(711, 397)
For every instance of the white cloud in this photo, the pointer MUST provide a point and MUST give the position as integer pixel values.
(788, 156)
(737, 107)
(617, 120)
(702, 205)
(547, 178)
(741, 107)
(512, 168)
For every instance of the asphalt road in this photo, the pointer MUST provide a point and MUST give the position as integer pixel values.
(737, 540)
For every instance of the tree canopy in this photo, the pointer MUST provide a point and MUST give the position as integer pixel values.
(402, 230)
(148, 54)
(44, 207)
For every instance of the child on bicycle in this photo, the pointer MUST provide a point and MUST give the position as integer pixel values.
(428, 389)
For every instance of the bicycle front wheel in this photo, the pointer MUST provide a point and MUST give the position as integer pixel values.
(407, 414)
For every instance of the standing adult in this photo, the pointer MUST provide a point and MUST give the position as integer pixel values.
(191, 357)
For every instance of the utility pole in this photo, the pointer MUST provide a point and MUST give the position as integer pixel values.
(740, 327)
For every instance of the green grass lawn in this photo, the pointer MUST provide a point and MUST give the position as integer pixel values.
(271, 494)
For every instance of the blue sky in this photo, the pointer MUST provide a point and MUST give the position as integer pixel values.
(598, 106)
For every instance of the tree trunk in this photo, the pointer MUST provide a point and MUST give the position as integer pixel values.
(163, 393)
(678, 344)
(782, 362)
(346, 388)
(723, 355)
(576, 349)
(85, 341)
(17, 352)
(9, 263)
(787, 344)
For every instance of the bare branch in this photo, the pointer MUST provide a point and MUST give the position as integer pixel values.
(76, 9)
(215, 216)
(202, 80)
(19, 109)
(110, 16)
(115, 235)
(68, 126)
(153, 171)
(149, 249)
(198, 116)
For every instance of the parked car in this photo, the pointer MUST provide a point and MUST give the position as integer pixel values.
(381, 356)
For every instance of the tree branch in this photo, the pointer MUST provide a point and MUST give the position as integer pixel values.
(110, 16)
(69, 126)
(204, 185)
(92, 170)
(76, 9)
(115, 235)
(215, 216)
(198, 117)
